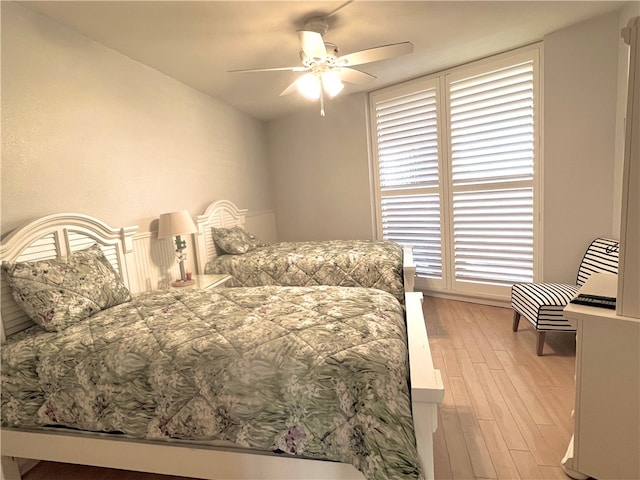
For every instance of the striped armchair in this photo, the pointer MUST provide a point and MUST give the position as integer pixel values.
(542, 303)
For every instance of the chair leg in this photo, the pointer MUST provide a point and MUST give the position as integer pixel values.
(540, 342)
(516, 320)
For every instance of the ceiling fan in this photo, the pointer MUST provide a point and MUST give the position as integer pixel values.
(325, 71)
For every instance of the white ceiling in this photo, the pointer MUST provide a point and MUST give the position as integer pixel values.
(196, 42)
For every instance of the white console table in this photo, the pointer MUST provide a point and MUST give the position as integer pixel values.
(606, 442)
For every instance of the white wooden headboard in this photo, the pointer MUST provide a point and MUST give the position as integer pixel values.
(55, 236)
(220, 214)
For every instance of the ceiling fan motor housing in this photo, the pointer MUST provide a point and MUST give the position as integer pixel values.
(318, 25)
(329, 59)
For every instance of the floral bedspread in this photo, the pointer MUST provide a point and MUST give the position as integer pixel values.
(319, 372)
(347, 263)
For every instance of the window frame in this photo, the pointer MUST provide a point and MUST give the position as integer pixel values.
(448, 286)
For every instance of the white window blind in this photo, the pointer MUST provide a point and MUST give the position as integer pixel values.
(492, 159)
(414, 220)
(493, 235)
(454, 159)
(408, 172)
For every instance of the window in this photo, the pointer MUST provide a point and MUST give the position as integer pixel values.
(455, 158)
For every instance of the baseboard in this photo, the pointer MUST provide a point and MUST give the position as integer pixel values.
(494, 302)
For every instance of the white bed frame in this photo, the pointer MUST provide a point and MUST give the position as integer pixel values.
(225, 214)
(57, 235)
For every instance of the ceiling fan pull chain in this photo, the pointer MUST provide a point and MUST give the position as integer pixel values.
(321, 99)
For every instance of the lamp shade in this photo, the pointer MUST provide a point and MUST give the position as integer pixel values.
(176, 223)
(309, 86)
(331, 83)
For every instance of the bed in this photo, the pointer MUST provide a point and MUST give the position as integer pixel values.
(64, 400)
(224, 247)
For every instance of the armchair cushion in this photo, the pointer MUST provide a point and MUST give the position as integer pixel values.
(542, 304)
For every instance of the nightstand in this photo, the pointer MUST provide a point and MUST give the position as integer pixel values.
(207, 282)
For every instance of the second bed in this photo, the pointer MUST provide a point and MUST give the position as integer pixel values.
(224, 246)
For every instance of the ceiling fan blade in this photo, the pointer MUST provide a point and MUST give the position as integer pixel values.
(375, 54)
(351, 75)
(276, 69)
(290, 89)
(312, 44)
(332, 13)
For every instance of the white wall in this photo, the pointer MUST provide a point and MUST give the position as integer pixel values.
(86, 129)
(320, 172)
(580, 98)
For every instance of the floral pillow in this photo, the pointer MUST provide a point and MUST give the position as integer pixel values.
(235, 240)
(59, 292)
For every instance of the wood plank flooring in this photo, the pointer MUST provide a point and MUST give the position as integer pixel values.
(506, 413)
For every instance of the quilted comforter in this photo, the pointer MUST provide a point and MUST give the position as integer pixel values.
(319, 372)
(347, 263)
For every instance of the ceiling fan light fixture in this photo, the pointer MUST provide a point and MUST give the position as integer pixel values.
(309, 86)
(331, 83)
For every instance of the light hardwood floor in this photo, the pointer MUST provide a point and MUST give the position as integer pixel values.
(506, 413)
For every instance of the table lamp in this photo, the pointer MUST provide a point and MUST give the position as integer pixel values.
(175, 224)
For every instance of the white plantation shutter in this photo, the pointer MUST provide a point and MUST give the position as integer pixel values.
(415, 220)
(493, 235)
(492, 160)
(407, 136)
(408, 173)
(454, 165)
